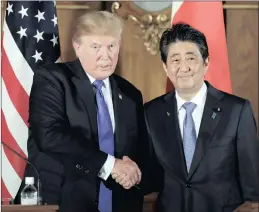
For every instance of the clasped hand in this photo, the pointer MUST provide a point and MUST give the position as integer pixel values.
(126, 172)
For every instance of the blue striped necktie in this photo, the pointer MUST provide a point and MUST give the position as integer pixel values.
(106, 142)
(189, 134)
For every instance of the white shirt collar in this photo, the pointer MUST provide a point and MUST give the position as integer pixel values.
(105, 81)
(198, 99)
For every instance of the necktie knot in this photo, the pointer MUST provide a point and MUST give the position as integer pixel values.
(98, 84)
(189, 107)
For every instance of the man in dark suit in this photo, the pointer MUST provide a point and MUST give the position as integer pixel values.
(87, 127)
(206, 152)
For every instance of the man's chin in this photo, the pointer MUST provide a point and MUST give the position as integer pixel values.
(186, 86)
(185, 82)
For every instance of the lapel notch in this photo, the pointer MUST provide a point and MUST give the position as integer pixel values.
(173, 139)
(119, 106)
(210, 118)
(86, 93)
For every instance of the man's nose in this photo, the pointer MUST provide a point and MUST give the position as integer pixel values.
(184, 66)
(104, 53)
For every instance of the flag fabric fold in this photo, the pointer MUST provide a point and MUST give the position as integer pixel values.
(209, 19)
(30, 39)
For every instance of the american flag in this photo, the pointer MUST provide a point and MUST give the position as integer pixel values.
(30, 39)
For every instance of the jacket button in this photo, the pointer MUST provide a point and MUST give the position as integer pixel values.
(188, 185)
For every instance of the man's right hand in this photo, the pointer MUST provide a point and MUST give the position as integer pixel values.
(126, 172)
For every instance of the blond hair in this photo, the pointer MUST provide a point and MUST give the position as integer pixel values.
(97, 23)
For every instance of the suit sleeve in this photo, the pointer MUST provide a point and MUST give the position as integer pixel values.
(51, 130)
(248, 154)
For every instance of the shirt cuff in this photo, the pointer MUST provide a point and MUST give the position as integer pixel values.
(107, 167)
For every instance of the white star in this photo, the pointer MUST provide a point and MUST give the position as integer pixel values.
(54, 40)
(9, 8)
(38, 36)
(55, 20)
(22, 32)
(40, 16)
(23, 11)
(37, 56)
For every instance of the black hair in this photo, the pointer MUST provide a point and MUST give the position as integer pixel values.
(183, 32)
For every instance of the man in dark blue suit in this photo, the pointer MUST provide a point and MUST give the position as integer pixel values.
(87, 127)
(206, 152)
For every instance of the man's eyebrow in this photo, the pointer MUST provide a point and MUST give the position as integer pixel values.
(95, 43)
(192, 53)
(175, 54)
(112, 42)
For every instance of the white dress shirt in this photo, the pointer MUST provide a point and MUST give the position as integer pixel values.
(107, 94)
(199, 99)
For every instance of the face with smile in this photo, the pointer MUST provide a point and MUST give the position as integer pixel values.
(98, 54)
(185, 66)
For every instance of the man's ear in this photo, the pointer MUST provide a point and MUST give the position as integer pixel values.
(76, 47)
(165, 68)
(206, 64)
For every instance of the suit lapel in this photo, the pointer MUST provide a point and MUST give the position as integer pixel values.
(86, 93)
(119, 105)
(173, 139)
(210, 119)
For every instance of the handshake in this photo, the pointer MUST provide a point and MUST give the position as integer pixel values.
(126, 172)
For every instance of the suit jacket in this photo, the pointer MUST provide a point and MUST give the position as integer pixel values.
(63, 142)
(225, 168)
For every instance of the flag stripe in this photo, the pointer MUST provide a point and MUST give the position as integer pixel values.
(175, 8)
(7, 137)
(4, 190)
(16, 164)
(14, 121)
(15, 90)
(9, 176)
(17, 60)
